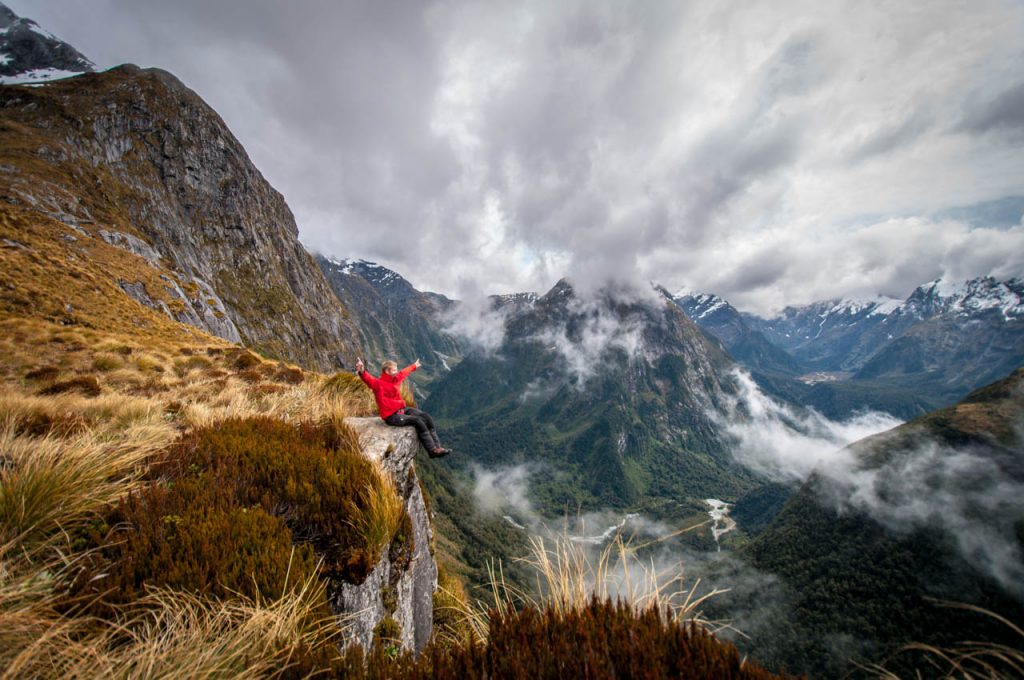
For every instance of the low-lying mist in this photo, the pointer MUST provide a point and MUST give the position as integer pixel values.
(958, 491)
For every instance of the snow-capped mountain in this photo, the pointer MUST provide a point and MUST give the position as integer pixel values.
(983, 296)
(28, 54)
(943, 340)
(514, 300)
(843, 335)
(746, 344)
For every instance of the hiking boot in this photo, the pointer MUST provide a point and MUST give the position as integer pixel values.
(439, 452)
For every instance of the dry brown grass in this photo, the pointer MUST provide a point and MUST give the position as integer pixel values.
(381, 514)
(569, 576)
(50, 485)
(173, 635)
(33, 635)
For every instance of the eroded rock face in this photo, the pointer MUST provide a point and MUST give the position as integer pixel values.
(134, 157)
(403, 592)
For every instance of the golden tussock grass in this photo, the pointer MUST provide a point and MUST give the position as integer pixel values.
(381, 514)
(348, 387)
(570, 576)
(173, 634)
(33, 635)
(50, 485)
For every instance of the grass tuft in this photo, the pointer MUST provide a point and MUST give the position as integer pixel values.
(970, 660)
(49, 486)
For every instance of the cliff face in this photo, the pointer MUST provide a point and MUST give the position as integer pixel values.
(135, 158)
(404, 593)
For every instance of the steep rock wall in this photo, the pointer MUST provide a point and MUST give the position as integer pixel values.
(134, 157)
(405, 595)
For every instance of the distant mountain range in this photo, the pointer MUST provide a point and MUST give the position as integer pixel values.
(938, 344)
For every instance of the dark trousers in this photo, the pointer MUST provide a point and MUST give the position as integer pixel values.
(424, 424)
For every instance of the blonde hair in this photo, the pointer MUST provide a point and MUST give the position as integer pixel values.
(388, 364)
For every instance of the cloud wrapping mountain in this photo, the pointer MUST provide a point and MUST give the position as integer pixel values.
(789, 445)
(958, 491)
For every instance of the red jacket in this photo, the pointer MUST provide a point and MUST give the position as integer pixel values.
(385, 390)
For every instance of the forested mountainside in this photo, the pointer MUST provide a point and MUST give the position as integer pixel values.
(929, 513)
(614, 394)
(134, 159)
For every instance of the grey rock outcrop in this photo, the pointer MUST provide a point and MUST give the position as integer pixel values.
(405, 595)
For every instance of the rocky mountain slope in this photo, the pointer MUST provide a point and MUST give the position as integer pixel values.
(134, 159)
(393, 319)
(30, 54)
(611, 396)
(931, 511)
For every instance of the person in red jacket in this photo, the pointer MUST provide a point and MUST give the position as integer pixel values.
(392, 408)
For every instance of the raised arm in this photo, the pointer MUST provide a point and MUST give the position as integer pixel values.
(366, 377)
(404, 373)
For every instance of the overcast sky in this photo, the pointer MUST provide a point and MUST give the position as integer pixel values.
(771, 152)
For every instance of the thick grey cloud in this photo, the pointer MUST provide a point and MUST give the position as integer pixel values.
(773, 154)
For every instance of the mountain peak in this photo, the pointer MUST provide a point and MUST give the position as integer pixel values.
(29, 54)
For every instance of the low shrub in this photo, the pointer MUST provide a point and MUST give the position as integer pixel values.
(253, 375)
(602, 640)
(195, 537)
(290, 375)
(86, 384)
(242, 359)
(43, 373)
(225, 506)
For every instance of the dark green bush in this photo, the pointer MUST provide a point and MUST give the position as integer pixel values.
(196, 537)
(310, 476)
(227, 504)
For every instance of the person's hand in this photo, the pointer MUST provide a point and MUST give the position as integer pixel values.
(359, 365)
(416, 363)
